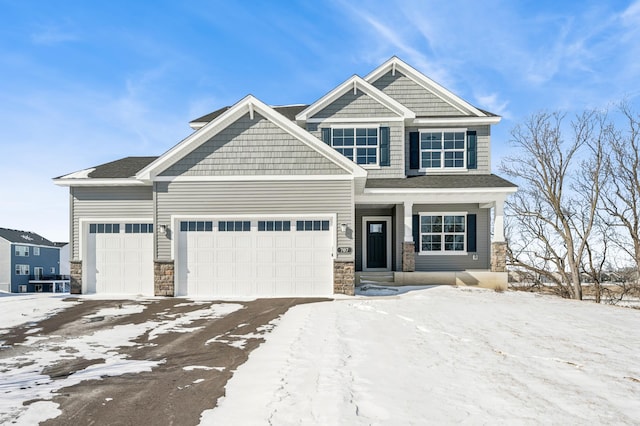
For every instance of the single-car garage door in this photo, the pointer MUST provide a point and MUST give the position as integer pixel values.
(120, 258)
(263, 257)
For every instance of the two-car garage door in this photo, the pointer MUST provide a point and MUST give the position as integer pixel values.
(255, 257)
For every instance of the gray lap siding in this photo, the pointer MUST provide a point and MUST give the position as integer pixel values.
(254, 198)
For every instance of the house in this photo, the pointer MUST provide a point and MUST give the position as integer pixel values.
(386, 177)
(28, 262)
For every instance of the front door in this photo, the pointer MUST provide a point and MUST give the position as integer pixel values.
(376, 244)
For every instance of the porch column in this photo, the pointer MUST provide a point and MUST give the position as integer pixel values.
(408, 245)
(498, 245)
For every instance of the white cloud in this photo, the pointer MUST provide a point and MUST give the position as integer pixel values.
(493, 103)
(52, 35)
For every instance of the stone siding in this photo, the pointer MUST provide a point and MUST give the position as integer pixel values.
(163, 278)
(76, 276)
(408, 257)
(344, 278)
(499, 257)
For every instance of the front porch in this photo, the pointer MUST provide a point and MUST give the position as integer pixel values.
(418, 237)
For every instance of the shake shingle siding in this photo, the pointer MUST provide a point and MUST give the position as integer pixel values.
(253, 147)
(108, 202)
(413, 96)
(254, 198)
(359, 105)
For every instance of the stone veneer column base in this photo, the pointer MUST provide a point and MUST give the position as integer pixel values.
(408, 256)
(344, 278)
(75, 272)
(163, 278)
(499, 256)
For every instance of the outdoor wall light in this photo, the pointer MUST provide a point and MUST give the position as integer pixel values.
(343, 227)
(162, 229)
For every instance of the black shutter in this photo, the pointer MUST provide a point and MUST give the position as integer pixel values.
(385, 154)
(471, 233)
(326, 135)
(414, 150)
(416, 231)
(472, 150)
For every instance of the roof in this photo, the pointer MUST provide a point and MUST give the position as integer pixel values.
(442, 181)
(289, 111)
(123, 168)
(24, 237)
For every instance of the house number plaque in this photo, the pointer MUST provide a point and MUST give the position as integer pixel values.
(344, 250)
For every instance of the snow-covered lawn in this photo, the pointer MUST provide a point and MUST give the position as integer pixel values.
(435, 355)
(438, 356)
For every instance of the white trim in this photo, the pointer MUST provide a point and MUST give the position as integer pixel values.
(442, 252)
(424, 81)
(356, 82)
(448, 121)
(373, 120)
(191, 142)
(497, 190)
(100, 182)
(366, 219)
(439, 196)
(244, 178)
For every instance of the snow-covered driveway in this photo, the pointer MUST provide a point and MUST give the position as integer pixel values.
(439, 356)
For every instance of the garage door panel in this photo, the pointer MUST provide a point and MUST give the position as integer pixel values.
(120, 263)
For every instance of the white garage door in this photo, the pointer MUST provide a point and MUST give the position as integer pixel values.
(120, 258)
(263, 258)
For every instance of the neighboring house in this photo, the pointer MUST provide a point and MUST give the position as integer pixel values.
(28, 262)
(386, 177)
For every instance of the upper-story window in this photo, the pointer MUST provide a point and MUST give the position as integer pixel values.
(22, 251)
(358, 144)
(443, 149)
(36, 251)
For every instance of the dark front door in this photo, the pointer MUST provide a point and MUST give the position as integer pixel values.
(376, 244)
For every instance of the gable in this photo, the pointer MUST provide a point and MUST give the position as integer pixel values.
(414, 96)
(252, 147)
(358, 105)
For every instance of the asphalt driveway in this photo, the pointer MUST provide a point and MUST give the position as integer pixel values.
(192, 360)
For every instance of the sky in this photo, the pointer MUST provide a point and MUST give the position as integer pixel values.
(85, 83)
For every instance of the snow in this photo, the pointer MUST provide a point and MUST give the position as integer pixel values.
(441, 355)
(409, 355)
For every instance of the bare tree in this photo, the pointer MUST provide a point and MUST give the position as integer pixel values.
(554, 211)
(621, 198)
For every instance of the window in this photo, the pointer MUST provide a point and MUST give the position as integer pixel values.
(312, 225)
(22, 269)
(195, 226)
(104, 228)
(36, 251)
(52, 270)
(442, 149)
(274, 225)
(234, 226)
(38, 272)
(138, 228)
(357, 144)
(22, 251)
(442, 233)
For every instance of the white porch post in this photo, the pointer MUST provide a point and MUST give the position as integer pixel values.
(498, 222)
(408, 222)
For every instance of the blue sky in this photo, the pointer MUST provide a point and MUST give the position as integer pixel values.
(83, 83)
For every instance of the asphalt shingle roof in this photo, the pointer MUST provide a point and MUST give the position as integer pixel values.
(24, 237)
(442, 181)
(289, 111)
(123, 168)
